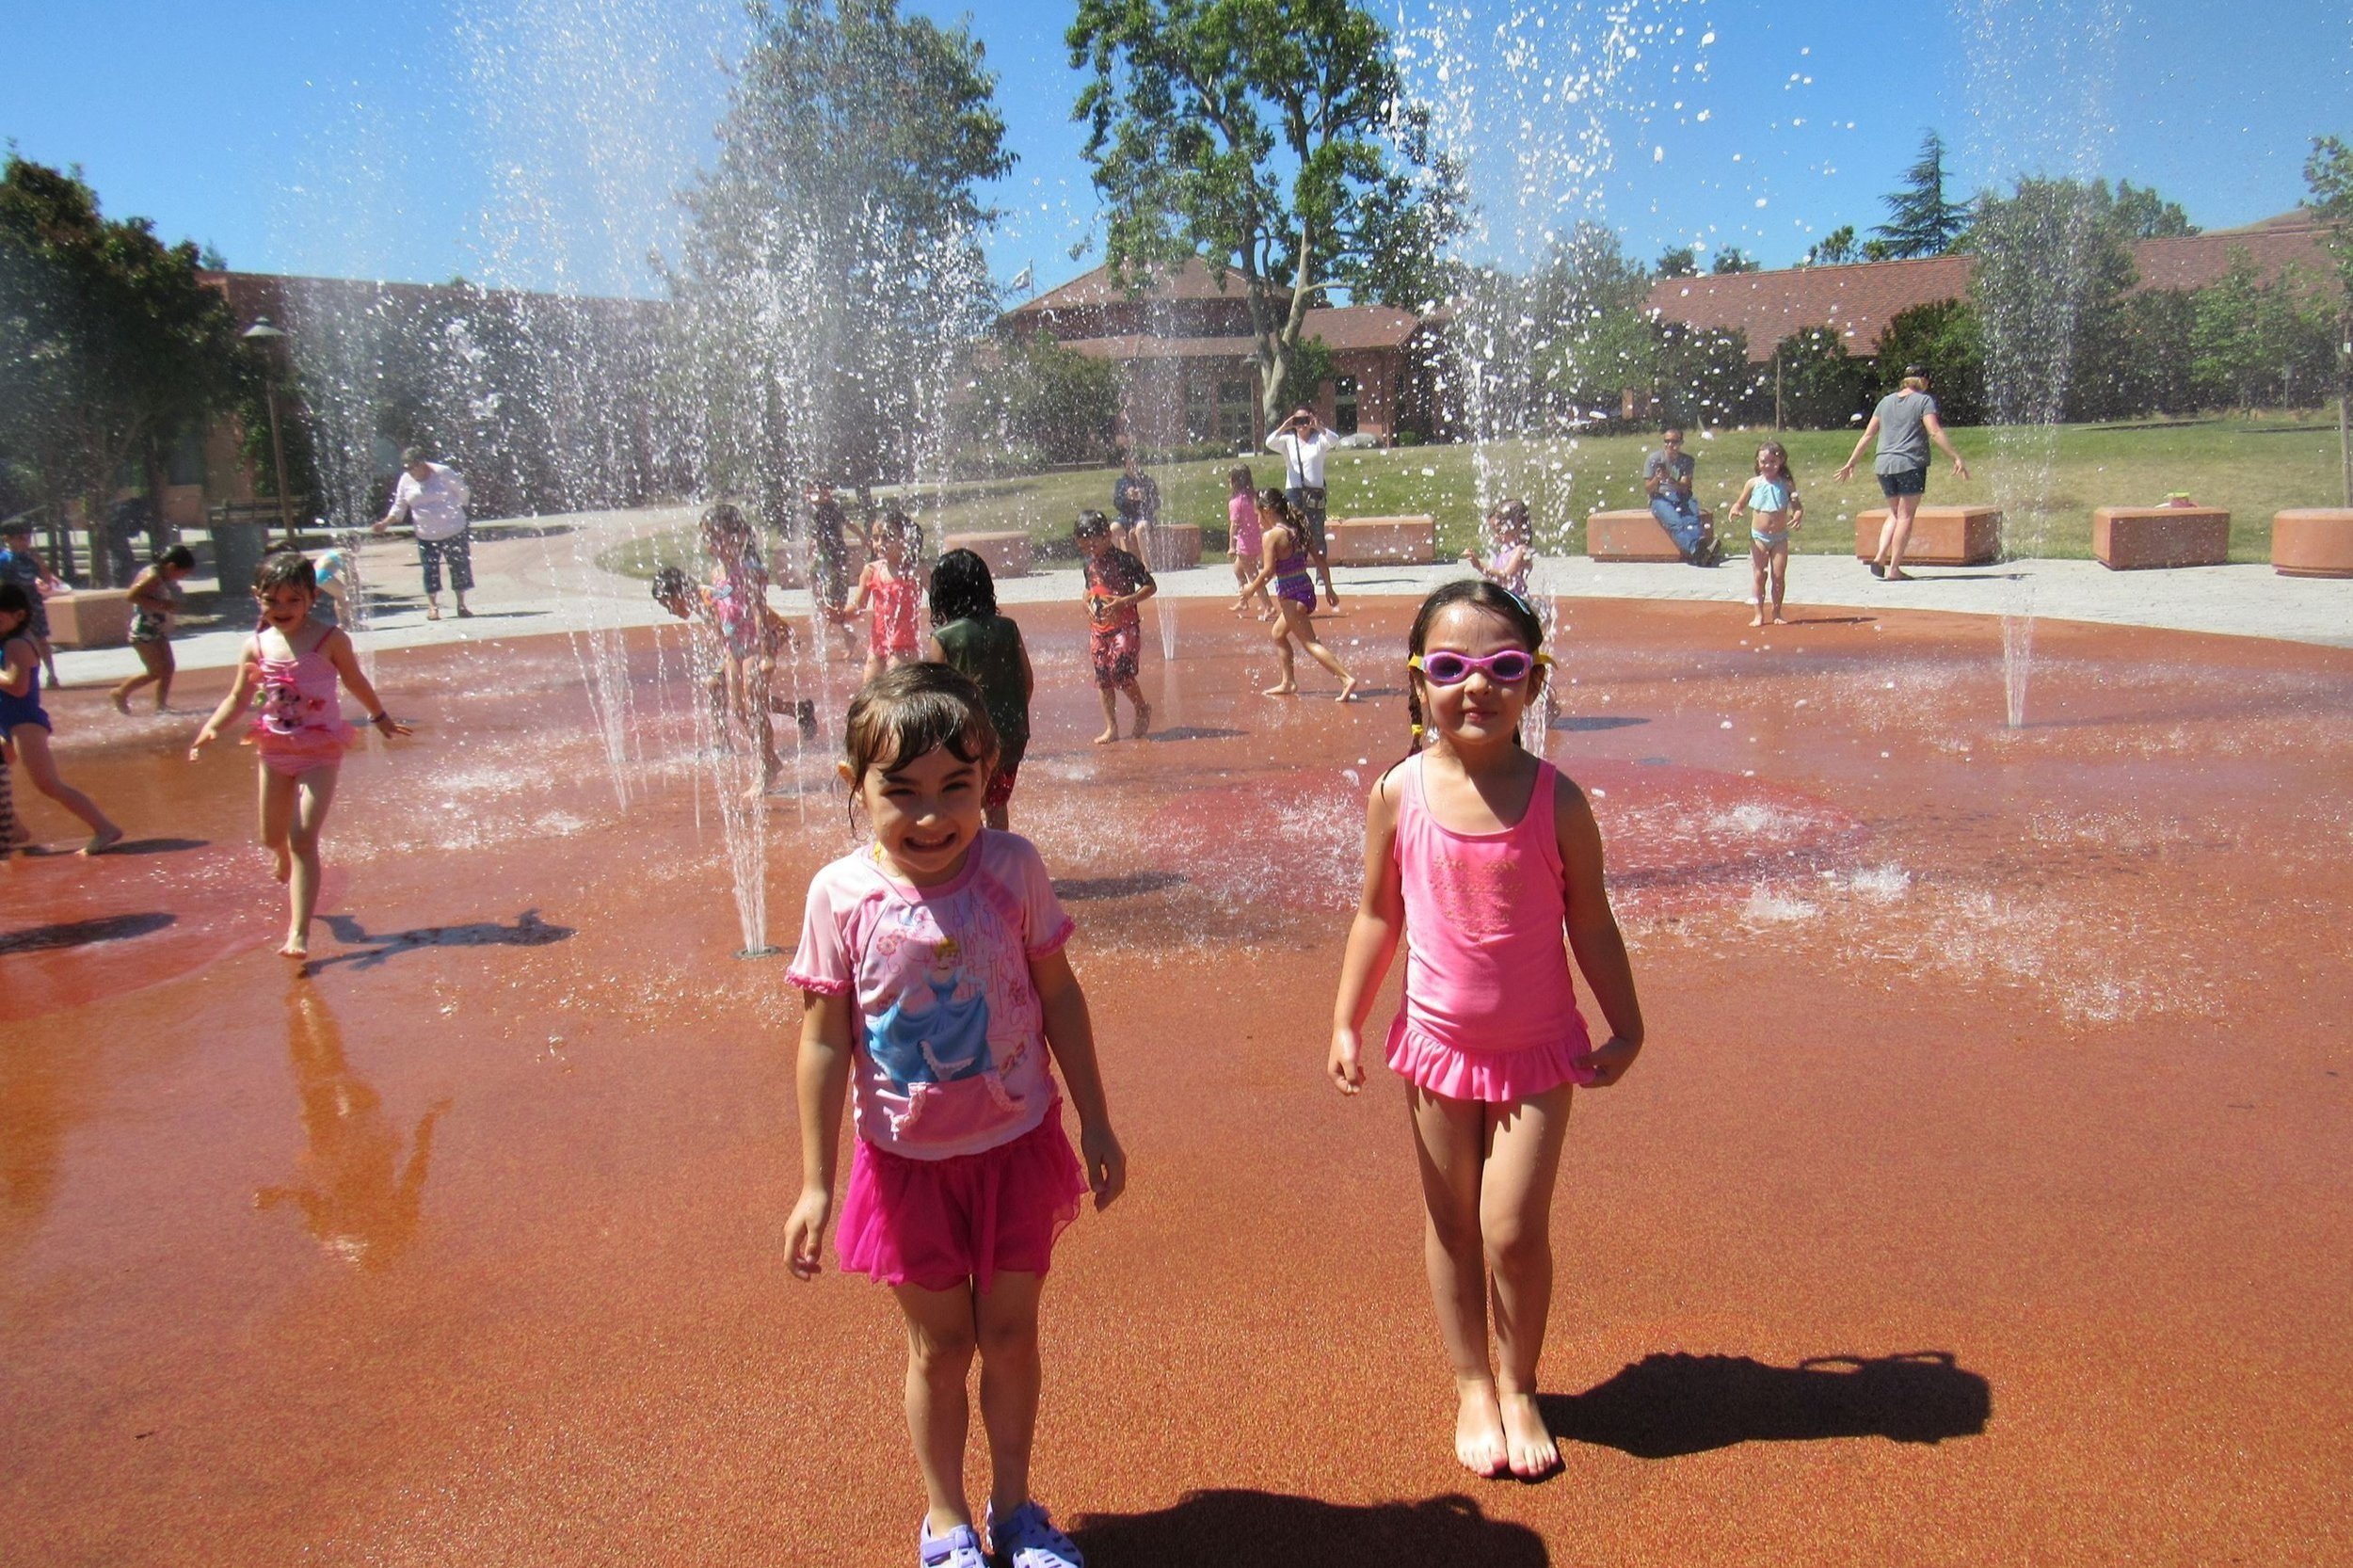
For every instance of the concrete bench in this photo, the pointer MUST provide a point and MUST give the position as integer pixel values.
(1007, 553)
(1633, 534)
(2306, 541)
(1381, 541)
(90, 617)
(1172, 546)
(2132, 539)
(1940, 536)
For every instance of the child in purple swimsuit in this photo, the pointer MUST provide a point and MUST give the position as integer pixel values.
(1284, 563)
(1489, 859)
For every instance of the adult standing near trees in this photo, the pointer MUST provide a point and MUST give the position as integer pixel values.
(433, 498)
(1667, 480)
(1905, 421)
(1303, 440)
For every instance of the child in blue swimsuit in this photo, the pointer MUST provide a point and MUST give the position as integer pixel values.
(1772, 494)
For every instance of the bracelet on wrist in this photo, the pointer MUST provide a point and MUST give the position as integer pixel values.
(377, 718)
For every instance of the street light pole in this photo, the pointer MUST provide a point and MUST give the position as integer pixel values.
(268, 336)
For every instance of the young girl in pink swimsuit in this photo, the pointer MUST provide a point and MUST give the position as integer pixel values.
(1489, 858)
(299, 731)
(890, 586)
(935, 992)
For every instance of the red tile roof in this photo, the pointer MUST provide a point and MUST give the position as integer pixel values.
(1861, 299)
(1191, 281)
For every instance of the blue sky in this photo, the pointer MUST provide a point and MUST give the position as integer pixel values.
(520, 143)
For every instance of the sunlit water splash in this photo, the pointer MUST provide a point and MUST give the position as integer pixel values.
(2039, 113)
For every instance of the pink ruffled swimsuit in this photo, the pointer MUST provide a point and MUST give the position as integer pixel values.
(1490, 1013)
(298, 723)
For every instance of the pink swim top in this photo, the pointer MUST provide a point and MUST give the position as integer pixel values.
(298, 711)
(1490, 1012)
(895, 601)
(1241, 526)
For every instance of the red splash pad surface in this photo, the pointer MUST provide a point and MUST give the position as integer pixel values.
(1981, 1198)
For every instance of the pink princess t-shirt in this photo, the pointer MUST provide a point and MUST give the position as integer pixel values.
(951, 1037)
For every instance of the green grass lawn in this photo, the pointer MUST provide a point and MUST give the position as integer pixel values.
(2049, 482)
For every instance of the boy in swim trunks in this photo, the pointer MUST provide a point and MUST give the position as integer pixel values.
(1116, 582)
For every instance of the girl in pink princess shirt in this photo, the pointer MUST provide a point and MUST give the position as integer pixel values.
(1492, 861)
(934, 988)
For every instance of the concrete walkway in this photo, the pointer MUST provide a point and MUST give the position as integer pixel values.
(540, 575)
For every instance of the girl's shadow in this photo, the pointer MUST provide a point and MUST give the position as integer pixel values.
(1664, 1406)
(1239, 1528)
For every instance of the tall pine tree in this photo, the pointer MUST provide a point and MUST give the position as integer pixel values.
(1920, 222)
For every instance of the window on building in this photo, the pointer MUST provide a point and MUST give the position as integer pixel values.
(1344, 405)
(1235, 410)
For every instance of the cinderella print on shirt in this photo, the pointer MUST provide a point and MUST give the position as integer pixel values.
(932, 1044)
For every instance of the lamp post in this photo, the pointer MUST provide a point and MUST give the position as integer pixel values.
(268, 337)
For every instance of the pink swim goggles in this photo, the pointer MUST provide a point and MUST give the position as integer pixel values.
(1507, 668)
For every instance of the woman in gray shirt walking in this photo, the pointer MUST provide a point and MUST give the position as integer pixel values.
(1905, 421)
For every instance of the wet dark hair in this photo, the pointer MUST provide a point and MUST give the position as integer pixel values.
(175, 555)
(14, 600)
(961, 587)
(1091, 526)
(411, 455)
(724, 517)
(898, 525)
(672, 582)
(1280, 504)
(1512, 510)
(288, 569)
(910, 710)
(1493, 598)
(1238, 478)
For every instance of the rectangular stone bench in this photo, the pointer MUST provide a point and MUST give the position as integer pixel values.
(1007, 553)
(90, 617)
(2133, 538)
(1633, 534)
(2306, 541)
(1940, 536)
(1173, 546)
(1381, 541)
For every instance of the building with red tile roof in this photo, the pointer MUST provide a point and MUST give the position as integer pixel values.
(1860, 299)
(1184, 342)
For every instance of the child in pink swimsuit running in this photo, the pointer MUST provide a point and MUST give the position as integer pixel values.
(299, 731)
(892, 588)
(935, 989)
(1489, 858)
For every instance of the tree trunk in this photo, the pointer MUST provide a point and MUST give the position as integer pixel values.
(95, 507)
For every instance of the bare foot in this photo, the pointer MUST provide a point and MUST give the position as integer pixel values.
(433, 612)
(1143, 721)
(1348, 689)
(123, 704)
(1757, 620)
(296, 948)
(1528, 1442)
(283, 870)
(102, 841)
(1894, 576)
(1285, 689)
(1780, 620)
(1479, 1443)
(1108, 736)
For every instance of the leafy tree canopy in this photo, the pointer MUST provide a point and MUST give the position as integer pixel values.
(1678, 260)
(1274, 138)
(2143, 215)
(1835, 248)
(831, 261)
(1732, 260)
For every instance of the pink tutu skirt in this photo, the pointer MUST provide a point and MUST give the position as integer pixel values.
(1427, 1061)
(936, 1224)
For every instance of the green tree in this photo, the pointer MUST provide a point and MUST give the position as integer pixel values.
(831, 277)
(1678, 260)
(1732, 259)
(1920, 222)
(1275, 138)
(1042, 403)
(1704, 376)
(2256, 344)
(1816, 384)
(2143, 215)
(1944, 340)
(1835, 248)
(2053, 269)
(109, 344)
(2328, 176)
